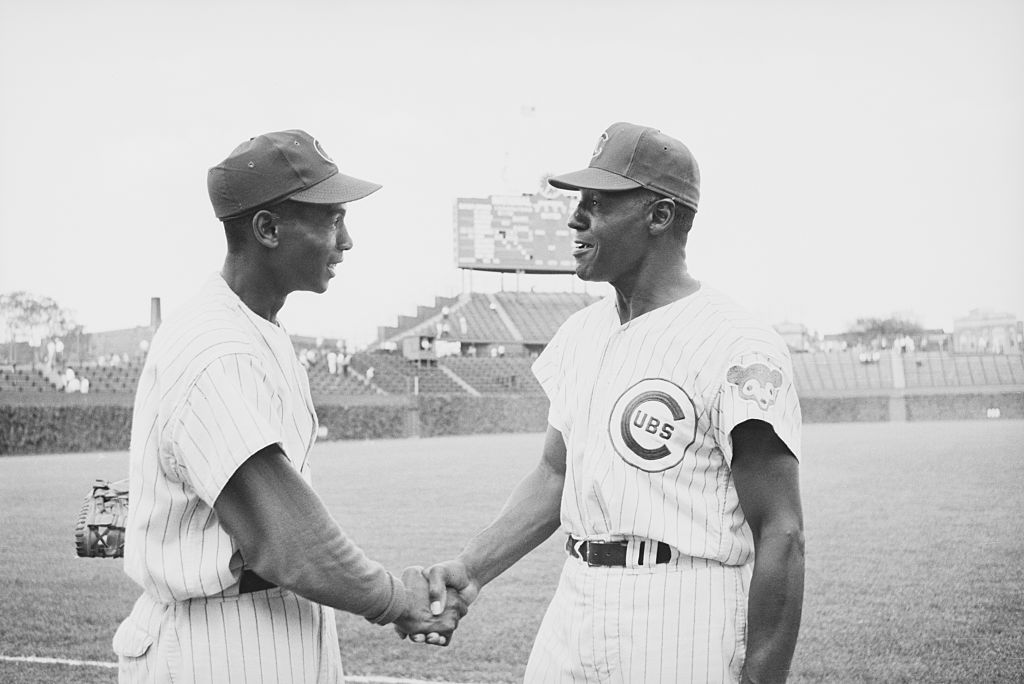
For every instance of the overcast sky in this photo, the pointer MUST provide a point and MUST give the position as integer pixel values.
(859, 158)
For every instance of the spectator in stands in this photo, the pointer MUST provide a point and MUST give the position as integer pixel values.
(304, 358)
(83, 385)
(332, 362)
(222, 432)
(71, 382)
(51, 354)
(58, 351)
(346, 362)
(115, 360)
(369, 376)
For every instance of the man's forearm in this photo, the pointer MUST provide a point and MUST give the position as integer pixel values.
(325, 566)
(530, 515)
(288, 537)
(774, 608)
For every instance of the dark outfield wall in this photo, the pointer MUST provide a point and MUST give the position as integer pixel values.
(83, 425)
(965, 406)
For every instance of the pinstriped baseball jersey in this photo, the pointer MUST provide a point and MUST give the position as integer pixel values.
(219, 384)
(677, 622)
(266, 636)
(646, 409)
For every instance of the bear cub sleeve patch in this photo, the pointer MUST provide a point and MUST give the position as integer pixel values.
(757, 383)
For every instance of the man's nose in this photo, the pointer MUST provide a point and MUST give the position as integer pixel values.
(574, 220)
(344, 240)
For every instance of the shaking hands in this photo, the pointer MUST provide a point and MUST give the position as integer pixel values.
(438, 598)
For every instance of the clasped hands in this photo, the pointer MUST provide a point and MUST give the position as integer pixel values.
(438, 598)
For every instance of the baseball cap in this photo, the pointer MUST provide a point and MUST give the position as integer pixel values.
(277, 166)
(628, 156)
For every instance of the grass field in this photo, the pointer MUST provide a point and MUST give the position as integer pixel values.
(915, 554)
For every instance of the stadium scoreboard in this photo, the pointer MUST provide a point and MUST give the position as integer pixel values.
(515, 233)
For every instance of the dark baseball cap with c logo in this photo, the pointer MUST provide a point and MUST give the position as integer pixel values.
(276, 166)
(628, 156)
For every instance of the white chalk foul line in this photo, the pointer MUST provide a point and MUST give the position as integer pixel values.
(58, 661)
(369, 679)
(353, 679)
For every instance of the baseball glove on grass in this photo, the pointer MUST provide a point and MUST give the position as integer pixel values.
(100, 529)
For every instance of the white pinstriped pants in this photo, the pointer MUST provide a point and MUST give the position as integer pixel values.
(265, 636)
(682, 621)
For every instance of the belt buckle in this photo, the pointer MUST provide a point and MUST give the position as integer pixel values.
(579, 548)
(583, 551)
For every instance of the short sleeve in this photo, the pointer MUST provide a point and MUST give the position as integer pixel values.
(228, 414)
(548, 369)
(758, 385)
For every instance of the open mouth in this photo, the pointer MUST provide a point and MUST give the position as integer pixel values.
(331, 268)
(579, 247)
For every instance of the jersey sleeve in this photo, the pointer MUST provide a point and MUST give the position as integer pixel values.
(549, 371)
(229, 413)
(758, 384)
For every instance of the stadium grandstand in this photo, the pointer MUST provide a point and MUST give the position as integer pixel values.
(485, 343)
(479, 346)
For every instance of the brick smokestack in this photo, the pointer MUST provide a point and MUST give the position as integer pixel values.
(154, 313)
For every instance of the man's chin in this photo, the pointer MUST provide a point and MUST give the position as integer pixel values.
(319, 288)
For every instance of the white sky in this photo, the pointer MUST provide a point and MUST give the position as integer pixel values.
(859, 158)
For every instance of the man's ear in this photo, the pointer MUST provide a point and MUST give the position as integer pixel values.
(264, 228)
(663, 215)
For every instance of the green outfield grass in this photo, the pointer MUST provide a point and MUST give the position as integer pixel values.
(915, 554)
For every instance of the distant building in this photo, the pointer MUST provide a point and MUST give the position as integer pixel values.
(796, 336)
(983, 330)
(127, 343)
(932, 339)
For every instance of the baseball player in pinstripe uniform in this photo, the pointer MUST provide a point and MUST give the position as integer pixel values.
(671, 458)
(240, 563)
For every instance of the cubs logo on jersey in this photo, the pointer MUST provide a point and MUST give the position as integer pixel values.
(652, 424)
(757, 382)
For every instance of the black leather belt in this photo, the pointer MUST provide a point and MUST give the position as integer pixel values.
(613, 554)
(250, 582)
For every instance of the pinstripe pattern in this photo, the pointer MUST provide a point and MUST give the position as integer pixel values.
(266, 636)
(219, 384)
(646, 410)
(682, 622)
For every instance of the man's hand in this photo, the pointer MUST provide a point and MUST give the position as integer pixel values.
(445, 577)
(419, 622)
